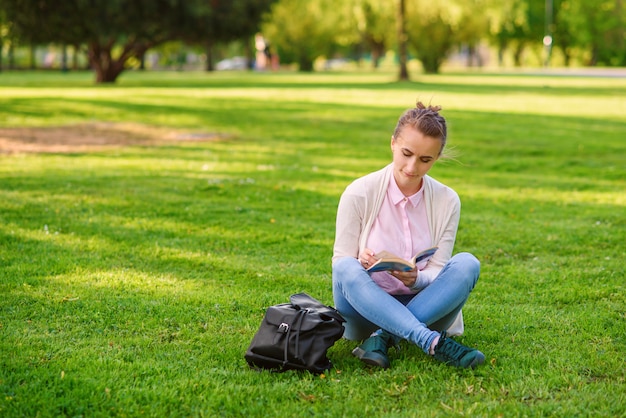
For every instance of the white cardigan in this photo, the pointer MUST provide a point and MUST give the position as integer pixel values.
(359, 206)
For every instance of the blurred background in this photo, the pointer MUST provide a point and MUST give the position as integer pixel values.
(112, 36)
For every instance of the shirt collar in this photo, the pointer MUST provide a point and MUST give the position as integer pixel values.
(396, 195)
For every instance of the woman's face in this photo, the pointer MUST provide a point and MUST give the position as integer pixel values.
(413, 155)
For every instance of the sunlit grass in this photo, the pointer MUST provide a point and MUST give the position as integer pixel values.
(600, 97)
(133, 278)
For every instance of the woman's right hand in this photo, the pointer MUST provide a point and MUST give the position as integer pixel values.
(366, 258)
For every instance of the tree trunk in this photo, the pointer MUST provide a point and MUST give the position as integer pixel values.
(593, 61)
(305, 64)
(108, 74)
(210, 65)
(33, 64)
(517, 55)
(107, 67)
(249, 55)
(431, 63)
(402, 41)
(565, 50)
(375, 58)
(11, 55)
(378, 50)
(75, 50)
(471, 55)
(64, 67)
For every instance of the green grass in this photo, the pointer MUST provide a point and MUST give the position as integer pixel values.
(133, 279)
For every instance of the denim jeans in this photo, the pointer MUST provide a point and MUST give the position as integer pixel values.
(417, 318)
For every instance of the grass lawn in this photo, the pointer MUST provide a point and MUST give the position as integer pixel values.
(134, 277)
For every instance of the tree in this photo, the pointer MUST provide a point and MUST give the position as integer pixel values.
(431, 34)
(603, 33)
(303, 31)
(374, 20)
(128, 26)
(228, 20)
(114, 31)
(403, 74)
(521, 24)
(471, 28)
(563, 29)
(4, 31)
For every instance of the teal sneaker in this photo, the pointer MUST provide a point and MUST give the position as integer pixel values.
(374, 350)
(450, 352)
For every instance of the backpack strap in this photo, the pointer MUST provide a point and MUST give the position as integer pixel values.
(297, 319)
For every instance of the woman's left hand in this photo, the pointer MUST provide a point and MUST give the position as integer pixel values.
(407, 277)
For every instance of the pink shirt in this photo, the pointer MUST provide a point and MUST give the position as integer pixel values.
(401, 227)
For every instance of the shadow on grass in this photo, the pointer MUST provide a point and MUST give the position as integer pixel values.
(153, 274)
(470, 83)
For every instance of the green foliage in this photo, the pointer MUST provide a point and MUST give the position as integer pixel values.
(431, 35)
(603, 30)
(303, 31)
(134, 278)
(376, 24)
(584, 32)
(115, 32)
(521, 24)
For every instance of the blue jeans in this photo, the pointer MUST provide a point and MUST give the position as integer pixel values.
(416, 318)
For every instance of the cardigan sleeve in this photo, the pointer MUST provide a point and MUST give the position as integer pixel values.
(348, 224)
(358, 207)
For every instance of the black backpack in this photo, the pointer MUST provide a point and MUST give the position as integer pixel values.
(296, 335)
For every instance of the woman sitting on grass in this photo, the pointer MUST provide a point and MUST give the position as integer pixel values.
(402, 210)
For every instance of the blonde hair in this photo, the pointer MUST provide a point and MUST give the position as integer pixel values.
(427, 120)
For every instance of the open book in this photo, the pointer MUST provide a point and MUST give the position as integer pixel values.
(388, 261)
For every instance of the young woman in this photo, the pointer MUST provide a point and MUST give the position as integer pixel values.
(402, 210)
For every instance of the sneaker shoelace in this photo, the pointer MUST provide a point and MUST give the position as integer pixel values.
(449, 350)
